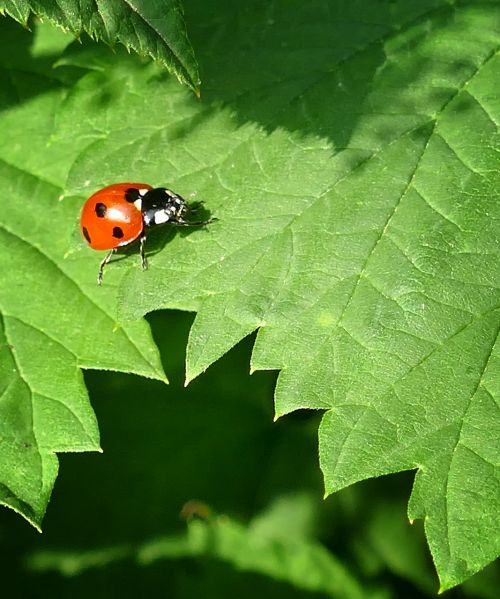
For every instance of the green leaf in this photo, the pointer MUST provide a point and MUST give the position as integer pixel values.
(153, 28)
(53, 320)
(355, 184)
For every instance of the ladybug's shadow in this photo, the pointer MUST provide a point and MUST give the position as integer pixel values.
(161, 235)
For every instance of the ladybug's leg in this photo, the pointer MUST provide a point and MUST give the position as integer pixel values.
(103, 263)
(195, 206)
(193, 223)
(144, 260)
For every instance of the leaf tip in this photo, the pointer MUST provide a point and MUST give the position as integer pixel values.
(191, 374)
(447, 582)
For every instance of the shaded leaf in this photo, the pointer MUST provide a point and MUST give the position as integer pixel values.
(52, 322)
(153, 28)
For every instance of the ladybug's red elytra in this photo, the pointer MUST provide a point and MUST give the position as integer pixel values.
(123, 212)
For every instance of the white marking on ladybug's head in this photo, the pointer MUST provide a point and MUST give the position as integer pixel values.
(138, 204)
(143, 192)
(161, 217)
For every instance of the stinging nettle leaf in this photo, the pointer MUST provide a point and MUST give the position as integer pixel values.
(153, 28)
(358, 234)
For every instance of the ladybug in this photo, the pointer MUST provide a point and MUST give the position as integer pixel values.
(123, 212)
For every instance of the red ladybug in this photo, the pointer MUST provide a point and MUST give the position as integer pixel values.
(120, 213)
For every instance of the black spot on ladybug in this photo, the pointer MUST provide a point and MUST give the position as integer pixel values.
(100, 209)
(117, 232)
(132, 194)
(86, 234)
